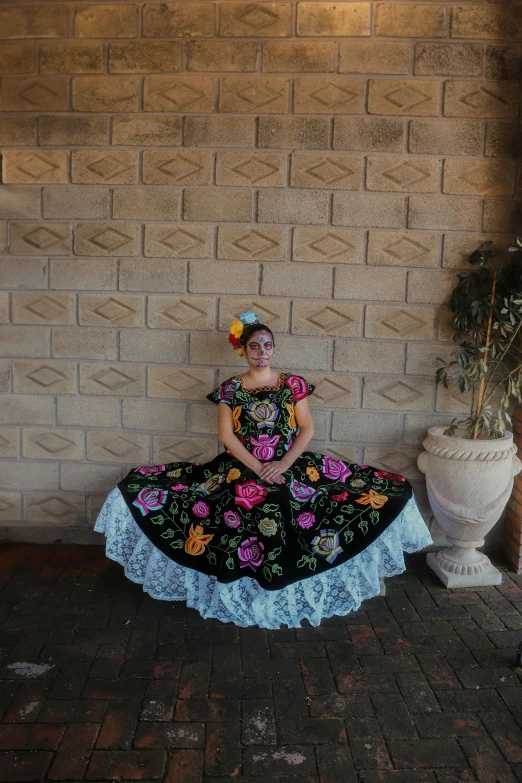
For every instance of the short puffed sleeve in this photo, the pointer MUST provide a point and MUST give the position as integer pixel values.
(299, 387)
(225, 393)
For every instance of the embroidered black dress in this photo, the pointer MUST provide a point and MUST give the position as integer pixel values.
(220, 519)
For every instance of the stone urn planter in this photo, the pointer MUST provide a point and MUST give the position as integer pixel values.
(469, 483)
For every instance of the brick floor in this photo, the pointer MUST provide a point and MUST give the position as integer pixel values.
(100, 683)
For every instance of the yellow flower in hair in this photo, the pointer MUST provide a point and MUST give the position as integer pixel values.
(236, 329)
(240, 351)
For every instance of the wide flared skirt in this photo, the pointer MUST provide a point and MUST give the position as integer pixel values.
(244, 602)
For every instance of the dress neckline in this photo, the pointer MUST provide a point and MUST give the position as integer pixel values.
(277, 386)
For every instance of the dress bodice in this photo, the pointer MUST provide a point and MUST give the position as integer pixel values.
(264, 418)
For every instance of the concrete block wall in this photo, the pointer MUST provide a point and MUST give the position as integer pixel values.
(167, 165)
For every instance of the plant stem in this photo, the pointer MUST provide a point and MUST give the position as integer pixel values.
(488, 337)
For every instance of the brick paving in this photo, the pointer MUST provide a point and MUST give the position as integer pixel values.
(101, 683)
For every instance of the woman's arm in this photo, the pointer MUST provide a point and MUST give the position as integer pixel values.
(234, 445)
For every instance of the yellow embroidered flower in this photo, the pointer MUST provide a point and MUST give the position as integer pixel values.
(373, 499)
(236, 328)
(197, 540)
(233, 474)
(268, 527)
(291, 414)
(174, 473)
(312, 473)
(235, 417)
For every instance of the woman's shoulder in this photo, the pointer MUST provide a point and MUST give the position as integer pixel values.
(299, 386)
(226, 391)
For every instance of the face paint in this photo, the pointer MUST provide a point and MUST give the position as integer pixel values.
(260, 350)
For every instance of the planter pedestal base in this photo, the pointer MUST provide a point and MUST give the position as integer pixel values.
(481, 575)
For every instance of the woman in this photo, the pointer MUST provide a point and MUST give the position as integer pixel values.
(266, 532)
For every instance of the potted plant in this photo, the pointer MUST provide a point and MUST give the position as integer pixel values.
(470, 465)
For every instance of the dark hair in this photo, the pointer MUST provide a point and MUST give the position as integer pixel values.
(251, 329)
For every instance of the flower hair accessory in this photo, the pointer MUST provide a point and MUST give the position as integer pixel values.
(236, 330)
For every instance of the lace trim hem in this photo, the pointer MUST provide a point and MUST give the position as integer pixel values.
(244, 602)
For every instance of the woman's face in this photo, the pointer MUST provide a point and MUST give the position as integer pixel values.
(259, 350)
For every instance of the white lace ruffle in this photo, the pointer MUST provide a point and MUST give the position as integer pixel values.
(244, 602)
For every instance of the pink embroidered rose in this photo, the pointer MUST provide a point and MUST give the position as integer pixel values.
(250, 552)
(385, 474)
(340, 497)
(201, 509)
(335, 469)
(232, 518)
(298, 387)
(150, 470)
(179, 487)
(150, 499)
(306, 519)
(264, 446)
(302, 492)
(249, 493)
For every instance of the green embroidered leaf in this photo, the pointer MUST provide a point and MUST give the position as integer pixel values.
(270, 508)
(267, 573)
(274, 553)
(133, 487)
(184, 517)
(168, 534)
(158, 520)
(312, 563)
(223, 540)
(374, 516)
(339, 519)
(363, 525)
(303, 561)
(235, 541)
(276, 569)
(230, 563)
(348, 536)
(211, 557)
(177, 545)
(348, 509)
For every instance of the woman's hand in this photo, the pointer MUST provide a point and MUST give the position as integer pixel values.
(272, 472)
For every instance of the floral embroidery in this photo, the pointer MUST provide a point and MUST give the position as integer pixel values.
(249, 494)
(250, 552)
(312, 473)
(201, 509)
(233, 474)
(326, 544)
(150, 499)
(210, 485)
(232, 518)
(306, 520)
(174, 473)
(262, 412)
(264, 446)
(335, 469)
(291, 416)
(179, 487)
(303, 493)
(384, 474)
(197, 540)
(298, 386)
(372, 498)
(228, 389)
(268, 527)
(341, 496)
(236, 413)
(150, 470)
